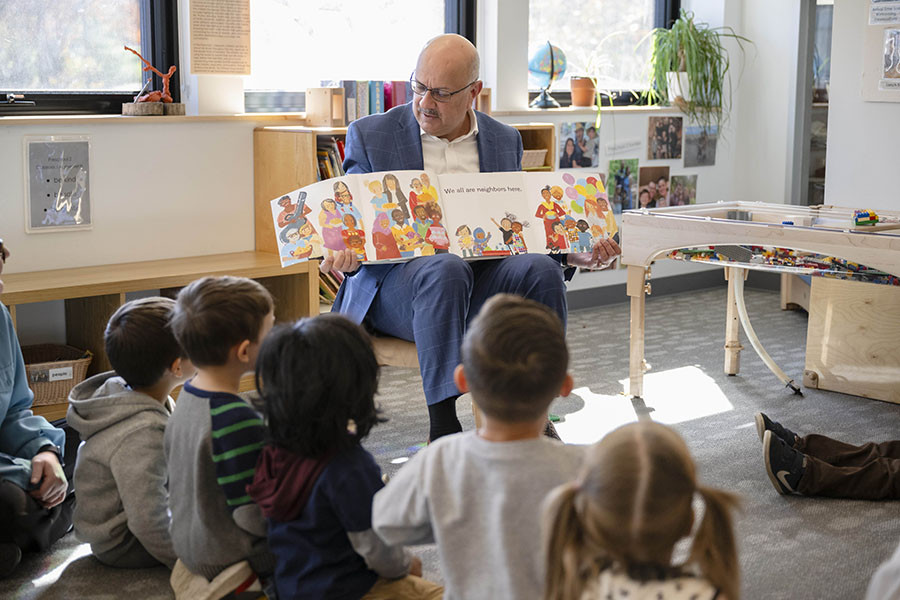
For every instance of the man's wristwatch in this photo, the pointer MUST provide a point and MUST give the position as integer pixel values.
(51, 448)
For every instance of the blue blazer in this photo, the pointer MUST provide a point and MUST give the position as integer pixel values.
(392, 141)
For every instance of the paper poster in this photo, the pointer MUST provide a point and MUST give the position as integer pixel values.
(884, 12)
(57, 183)
(220, 37)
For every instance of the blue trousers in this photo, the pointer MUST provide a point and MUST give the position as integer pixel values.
(431, 301)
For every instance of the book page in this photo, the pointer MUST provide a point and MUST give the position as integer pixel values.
(573, 210)
(404, 212)
(484, 217)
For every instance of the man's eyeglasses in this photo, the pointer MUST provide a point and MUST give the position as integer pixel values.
(438, 94)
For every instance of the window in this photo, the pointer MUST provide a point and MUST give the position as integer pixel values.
(69, 57)
(296, 45)
(605, 37)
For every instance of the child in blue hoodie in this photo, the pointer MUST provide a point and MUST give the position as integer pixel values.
(314, 482)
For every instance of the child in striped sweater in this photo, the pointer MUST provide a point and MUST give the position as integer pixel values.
(214, 436)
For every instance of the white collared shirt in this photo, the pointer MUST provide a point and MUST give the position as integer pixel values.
(458, 156)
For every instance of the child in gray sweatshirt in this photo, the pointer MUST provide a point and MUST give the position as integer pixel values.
(121, 415)
(478, 494)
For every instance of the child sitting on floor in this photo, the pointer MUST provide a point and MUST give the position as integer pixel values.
(121, 415)
(315, 482)
(478, 494)
(611, 532)
(214, 437)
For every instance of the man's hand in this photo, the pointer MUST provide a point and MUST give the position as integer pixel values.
(46, 471)
(602, 254)
(415, 566)
(344, 261)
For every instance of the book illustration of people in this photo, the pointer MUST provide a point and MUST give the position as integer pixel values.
(399, 215)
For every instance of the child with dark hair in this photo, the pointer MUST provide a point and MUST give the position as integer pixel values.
(611, 532)
(121, 415)
(314, 481)
(477, 494)
(214, 437)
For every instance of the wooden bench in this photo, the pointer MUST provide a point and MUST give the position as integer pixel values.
(92, 294)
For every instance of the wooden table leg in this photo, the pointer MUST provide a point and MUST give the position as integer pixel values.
(635, 288)
(733, 345)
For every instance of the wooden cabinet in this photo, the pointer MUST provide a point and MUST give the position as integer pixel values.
(852, 338)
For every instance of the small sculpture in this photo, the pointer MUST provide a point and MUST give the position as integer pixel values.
(155, 96)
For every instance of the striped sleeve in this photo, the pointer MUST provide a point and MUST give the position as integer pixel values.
(237, 439)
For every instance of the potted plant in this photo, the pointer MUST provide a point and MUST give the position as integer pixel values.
(690, 68)
(595, 73)
(583, 90)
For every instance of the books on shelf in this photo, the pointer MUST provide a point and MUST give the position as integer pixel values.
(398, 215)
(329, 157)
(362, 99)
(395, 94)
(376, 97)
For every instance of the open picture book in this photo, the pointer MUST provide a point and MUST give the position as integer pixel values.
(397, 215)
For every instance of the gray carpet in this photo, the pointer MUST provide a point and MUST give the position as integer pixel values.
(790, 547)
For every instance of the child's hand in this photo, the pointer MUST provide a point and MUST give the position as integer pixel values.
(415, 566)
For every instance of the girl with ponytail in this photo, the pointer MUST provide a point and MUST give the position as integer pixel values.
(612, 532)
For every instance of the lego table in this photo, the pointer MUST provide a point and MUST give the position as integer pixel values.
(650, 234)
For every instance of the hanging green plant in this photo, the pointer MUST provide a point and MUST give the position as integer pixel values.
(690, 67)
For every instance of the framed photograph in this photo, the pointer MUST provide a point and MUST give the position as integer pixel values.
(57, 183)
(579, 145)
(622, 183)
(682, 190)
(664, 138)
(653, 187)
(700, 145)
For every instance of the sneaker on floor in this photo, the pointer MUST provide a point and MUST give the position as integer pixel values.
(764, 423)
(550, 431)
(10, 557)
(784, 465)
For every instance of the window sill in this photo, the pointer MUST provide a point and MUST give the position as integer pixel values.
(583, 110)
(293, 118)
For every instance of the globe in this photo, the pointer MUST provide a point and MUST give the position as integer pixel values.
(547, 65)
(539, 67)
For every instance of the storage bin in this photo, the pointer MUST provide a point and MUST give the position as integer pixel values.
(53, 370)
(533, 158)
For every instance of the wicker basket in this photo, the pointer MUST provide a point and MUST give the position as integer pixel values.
(533, 158)
(53, 370)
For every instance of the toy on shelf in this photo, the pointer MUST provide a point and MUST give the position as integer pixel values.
(785, 259)
(155, 102)
(864, 217)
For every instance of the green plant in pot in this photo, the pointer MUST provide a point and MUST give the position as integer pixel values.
(595, 70)
(690, 67)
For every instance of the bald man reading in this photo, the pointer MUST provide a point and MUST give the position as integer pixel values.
(431, 300)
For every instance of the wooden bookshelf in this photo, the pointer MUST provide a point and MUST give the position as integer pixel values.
(92, 294)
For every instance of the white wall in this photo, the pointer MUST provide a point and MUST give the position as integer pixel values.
(862, 136)
(764, 99)
(159, 190)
